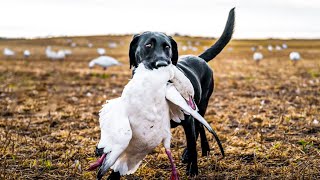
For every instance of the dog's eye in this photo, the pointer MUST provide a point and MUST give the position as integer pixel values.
(149, 45)
(167, 47)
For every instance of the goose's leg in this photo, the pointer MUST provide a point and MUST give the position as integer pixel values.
(174, 172)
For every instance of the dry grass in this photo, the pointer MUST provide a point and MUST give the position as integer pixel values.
(263, 113)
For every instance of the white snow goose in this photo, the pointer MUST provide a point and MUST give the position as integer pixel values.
(138, 121)
(101, 51)
(8, 52)
(257, 56)
(26, 53)
(295, 57)
(104, 61)
(54, 55)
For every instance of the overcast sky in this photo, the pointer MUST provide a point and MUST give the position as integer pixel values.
(254, 18)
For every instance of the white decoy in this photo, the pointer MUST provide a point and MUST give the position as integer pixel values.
(8, 52)
(113, 45)
(138, 121)
(26, 53)
(104, 61)
(295, 57)
(73, 44)
(284, 46)
(49, 53)
(184, 48)
(257, 56)
(101, 51)
(194, 49)
(54, 55)
(278, 48)
(270, 48)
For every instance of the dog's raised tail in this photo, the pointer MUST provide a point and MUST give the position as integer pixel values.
(226, 36)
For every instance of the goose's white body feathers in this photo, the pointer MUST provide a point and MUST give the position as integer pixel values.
(138, 121)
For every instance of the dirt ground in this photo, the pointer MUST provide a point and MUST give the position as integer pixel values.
(267, 115)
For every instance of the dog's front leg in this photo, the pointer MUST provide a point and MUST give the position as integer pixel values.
(190, 131)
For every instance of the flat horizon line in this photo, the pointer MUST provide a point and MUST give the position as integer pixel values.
(171, 34)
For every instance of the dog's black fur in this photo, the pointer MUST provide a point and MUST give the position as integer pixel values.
(155, 50)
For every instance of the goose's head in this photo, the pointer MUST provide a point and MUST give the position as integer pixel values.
(184, 87)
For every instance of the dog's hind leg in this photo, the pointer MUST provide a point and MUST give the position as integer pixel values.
(190, 131)
(205, 149)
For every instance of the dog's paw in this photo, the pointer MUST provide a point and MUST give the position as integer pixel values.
(205, 150)
(192, 170)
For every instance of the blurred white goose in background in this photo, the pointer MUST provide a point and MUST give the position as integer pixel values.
(69, 41)
(54, 55)
(104, 61)
(278, 48)
(270, 48)
(101, 51)
(184, 48)
(73, 44)
(26, 53)
(284, 46)
(90, 45)
(194, 49)
(113, 45)
(257, 56)
(295, 57)
(8, 52)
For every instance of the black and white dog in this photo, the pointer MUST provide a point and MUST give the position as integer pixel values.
(155, 50)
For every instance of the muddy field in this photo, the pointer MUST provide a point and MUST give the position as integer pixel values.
(267, 115)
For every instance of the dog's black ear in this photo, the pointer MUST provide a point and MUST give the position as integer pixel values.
(174, 49)
(132, 51)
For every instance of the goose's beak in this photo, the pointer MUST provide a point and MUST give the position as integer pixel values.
(98, 163)
(191, 103)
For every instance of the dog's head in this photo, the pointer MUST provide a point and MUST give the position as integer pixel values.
(153, 49)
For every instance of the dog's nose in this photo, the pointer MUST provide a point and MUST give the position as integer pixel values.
(161, 64)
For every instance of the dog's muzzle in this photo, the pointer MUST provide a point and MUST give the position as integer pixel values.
(161, 64)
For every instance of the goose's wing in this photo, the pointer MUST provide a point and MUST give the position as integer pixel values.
(114, 125)
(116, 134)
(175, 97)
(176, 113)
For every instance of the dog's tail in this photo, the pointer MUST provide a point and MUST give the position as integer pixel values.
(215, 49)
